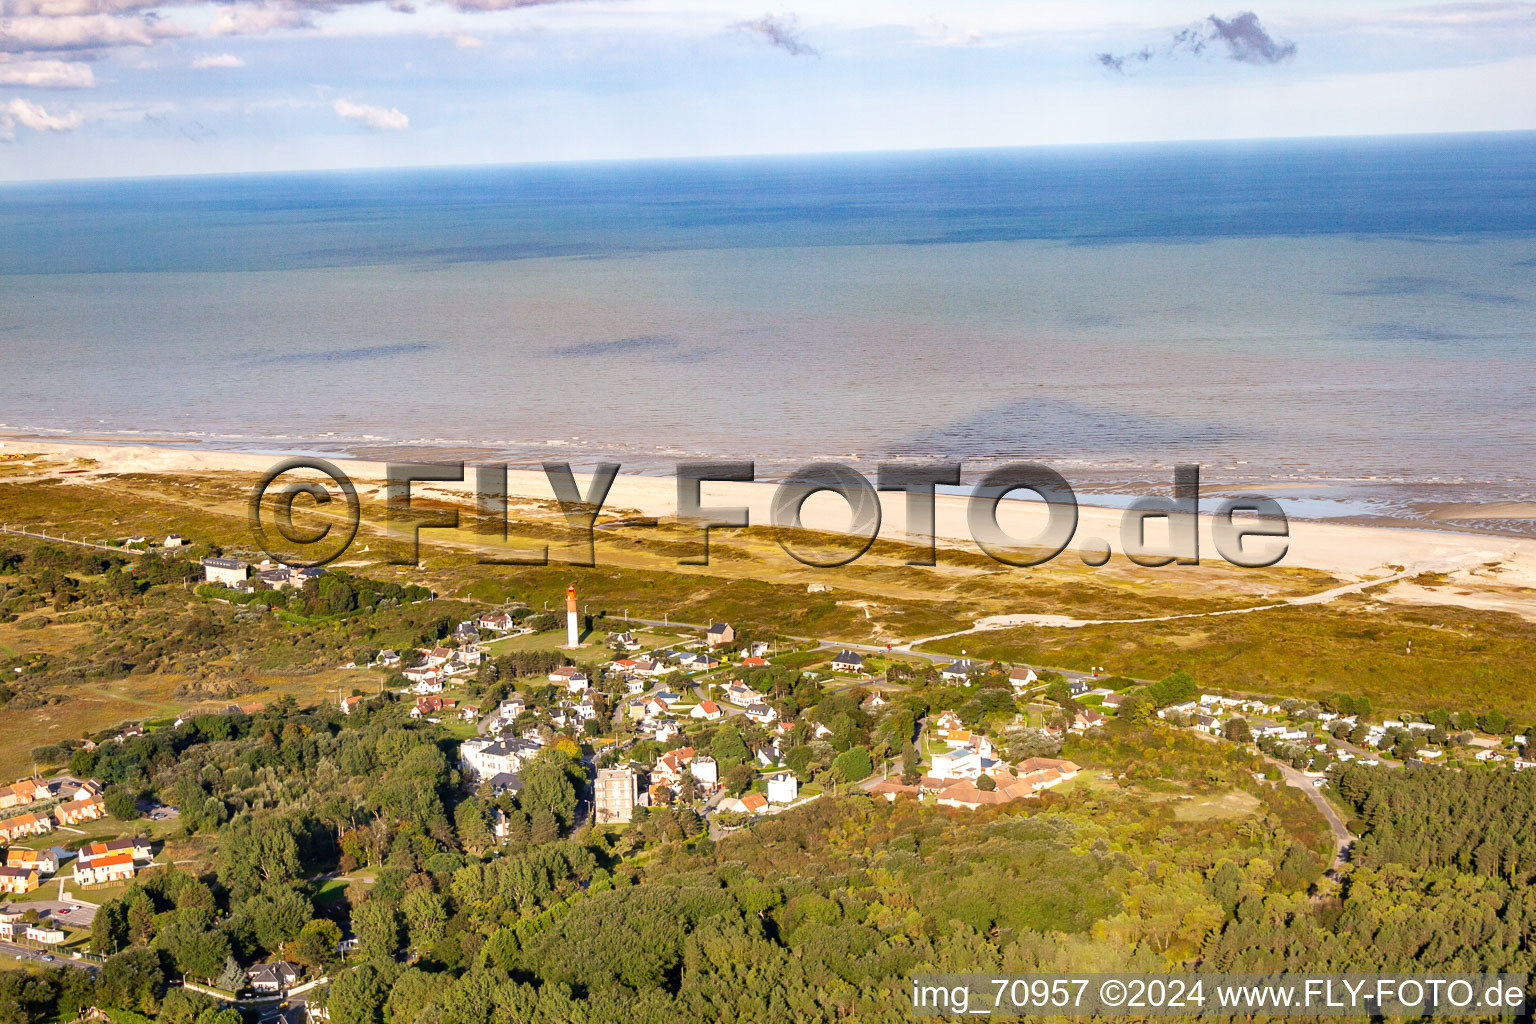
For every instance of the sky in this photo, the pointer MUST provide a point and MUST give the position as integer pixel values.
(109, 88)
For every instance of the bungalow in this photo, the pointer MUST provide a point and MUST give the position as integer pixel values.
(753, 661)
(274, 978)
(47, 934)
(706, 663)
(876, 700)
(469, 712)
(105, 870)
(783, 788)
(1022, 677)
(707, 710)
(1115, 700)
(761, 713)
(1065, 770)
(719, 633)
(173, 540)
(18, 880)
(388, 657)
(650, 667)
(848, 661)
(1078, 687)
(73, 812)
(958, 671)
(351, 704)
(625, 641)
(751, 803)
(625, 664)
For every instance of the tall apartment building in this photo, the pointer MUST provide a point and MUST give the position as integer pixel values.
(616, 795)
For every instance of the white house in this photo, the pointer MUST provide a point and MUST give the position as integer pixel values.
(707, 710)
(783, 788)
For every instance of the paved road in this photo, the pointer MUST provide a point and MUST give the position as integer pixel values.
(1343, 838)
(40, 956)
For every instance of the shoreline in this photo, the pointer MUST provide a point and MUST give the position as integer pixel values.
(1471, 561)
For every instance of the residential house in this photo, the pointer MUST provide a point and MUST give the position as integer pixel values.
(656, 707)
(1077, 687)
(498, 622)
(44, 933)
(483, 756)
(848, 661)
(73, 812)
(875, 701)
(12, 829)
(225, 571)
(1115, 700)
(751, 803)
(137, 847)
(741, 693)
(705, 770)
(753, 661)
(18, 880)
(707, 710)
(783, 788)
(105, 870)
(509, 709)
(1022, 677)
(719, 633)
(959, 671)
(565, 673)
(352, 703)
(761, 713)
(22, 793)
(945, 723)
(667, 730)
(45, 861)
(670, 766)
(635, 686)
(387, 658)
(274, 978)
(1066, 770)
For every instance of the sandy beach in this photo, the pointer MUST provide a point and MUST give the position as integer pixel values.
(1481, 570)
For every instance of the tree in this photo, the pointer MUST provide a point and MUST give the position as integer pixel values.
(986, 783)
(377, 926)
(316, 945)
(121, 802)
(852, 765)
(231, 978)
(1236, 730)
(426, 918)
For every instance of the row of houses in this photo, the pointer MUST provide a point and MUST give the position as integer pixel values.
(620, 789)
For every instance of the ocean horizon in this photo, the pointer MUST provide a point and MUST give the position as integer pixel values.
(1346, 319)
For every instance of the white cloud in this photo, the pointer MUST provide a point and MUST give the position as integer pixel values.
(83, 31)
(45, 74)
(238, 20)
(377, 118)
(465, 41)
(218, 60)
(29, 115)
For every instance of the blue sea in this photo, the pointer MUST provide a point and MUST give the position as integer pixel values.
(1348, 321)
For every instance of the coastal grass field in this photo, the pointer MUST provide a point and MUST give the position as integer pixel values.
(1460, 657)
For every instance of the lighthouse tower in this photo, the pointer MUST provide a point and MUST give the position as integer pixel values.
(572, 634)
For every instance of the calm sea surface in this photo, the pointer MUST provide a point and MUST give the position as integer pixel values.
(1349, 322)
